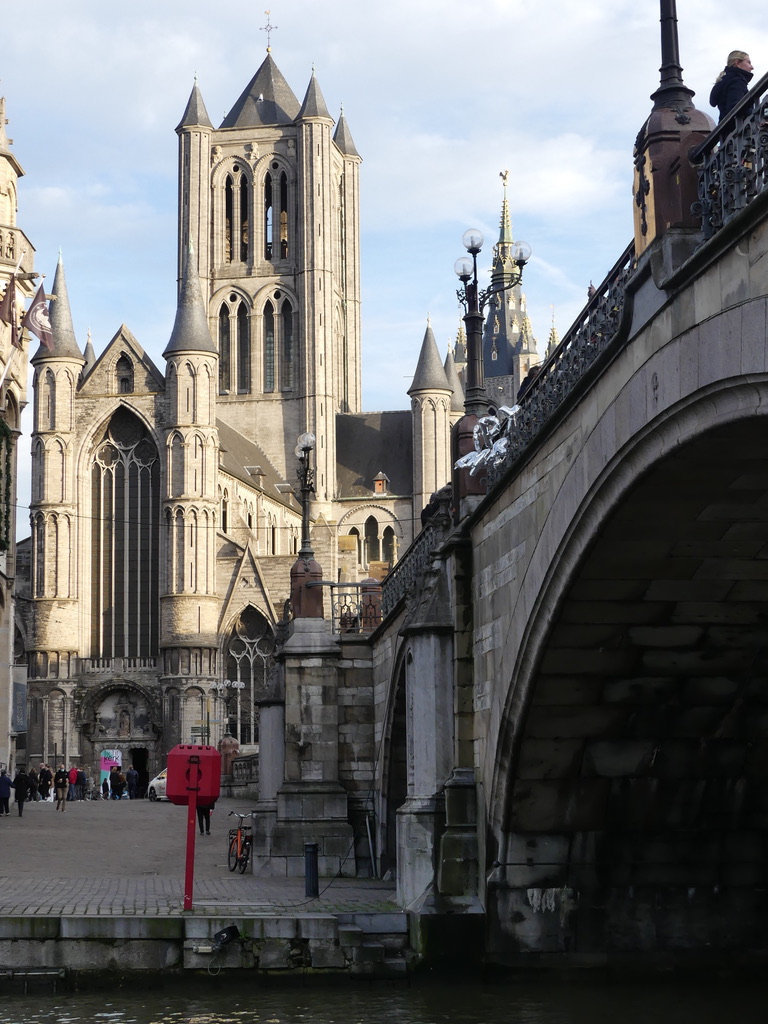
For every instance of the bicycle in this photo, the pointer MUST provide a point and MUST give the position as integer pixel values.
(240, 841)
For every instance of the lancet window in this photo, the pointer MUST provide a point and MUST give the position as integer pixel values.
(125, 510)
(279, 347)
(236, 219)
(275, 215)
(234, 345)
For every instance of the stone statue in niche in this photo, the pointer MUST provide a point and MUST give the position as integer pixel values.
(124, 723)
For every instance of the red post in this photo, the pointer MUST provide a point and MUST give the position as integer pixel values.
(193, 784)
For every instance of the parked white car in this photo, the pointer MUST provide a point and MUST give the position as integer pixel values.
(156, 788)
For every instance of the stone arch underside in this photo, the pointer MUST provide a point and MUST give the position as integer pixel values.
(630, 806)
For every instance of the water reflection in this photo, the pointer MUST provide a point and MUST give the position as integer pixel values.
(398, 1003)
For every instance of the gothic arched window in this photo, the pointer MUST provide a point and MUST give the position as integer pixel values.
(269, 348)
(283, 216)
(268, 217)
(124, 374)
(248, 657)
(243, 350)
(372, 548)
(224, 348)
(49, 401)
(286, 329)
(125, 511)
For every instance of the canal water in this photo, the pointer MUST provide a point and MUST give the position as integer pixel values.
(399, 1003)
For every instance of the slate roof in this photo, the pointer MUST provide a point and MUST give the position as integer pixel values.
(62, 329)
(195, 112)
(343, 137)
(454, 382)
(369, 443)
(314, 103)
(237, 453)
(266, 100)
(429, 375)
(191, 332)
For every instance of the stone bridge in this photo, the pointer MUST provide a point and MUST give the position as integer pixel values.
(582, 652)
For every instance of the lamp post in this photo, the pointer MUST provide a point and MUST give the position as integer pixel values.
(304, 445)
(474, 301)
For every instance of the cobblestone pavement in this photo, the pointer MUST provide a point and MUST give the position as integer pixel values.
(127, 857)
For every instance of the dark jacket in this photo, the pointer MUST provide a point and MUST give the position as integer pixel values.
(5, 786)
(728, 90)
(21, 785)
(61, 779)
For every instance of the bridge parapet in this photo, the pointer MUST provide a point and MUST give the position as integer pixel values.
(733, 161)
(410, 570)
(501, 443)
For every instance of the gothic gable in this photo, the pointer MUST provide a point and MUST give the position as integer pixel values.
(122, 368)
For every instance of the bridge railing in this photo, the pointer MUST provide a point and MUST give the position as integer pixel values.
(732, 161)
(601, 320)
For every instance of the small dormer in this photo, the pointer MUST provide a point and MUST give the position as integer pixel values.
(380, 483)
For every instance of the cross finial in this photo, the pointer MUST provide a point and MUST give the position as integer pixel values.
(268, 28)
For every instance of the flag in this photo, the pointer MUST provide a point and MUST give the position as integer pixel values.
(36, 319)
(8, 310)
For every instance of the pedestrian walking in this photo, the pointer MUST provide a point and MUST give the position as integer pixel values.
(21, 788)
(132, 778)
(72, 779)
(45, 781)
(204, 818)
(81, 784)
(60, 783)
(34, 785)
(5, 793)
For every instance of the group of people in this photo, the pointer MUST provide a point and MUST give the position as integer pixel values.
(62, 785)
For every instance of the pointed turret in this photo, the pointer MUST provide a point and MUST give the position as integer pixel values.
(431, 396)
(62, 329)
(89, 355)
(195, 114)
(266, 100)
(429, 375)
(343, 137)
(454, 382)
(314, 103)
(190, 328)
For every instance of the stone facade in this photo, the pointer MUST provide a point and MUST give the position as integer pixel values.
(164, 520)
(17, 259)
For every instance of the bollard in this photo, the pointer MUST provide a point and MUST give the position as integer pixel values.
(311, 887)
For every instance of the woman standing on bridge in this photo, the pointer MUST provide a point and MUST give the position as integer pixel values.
(733, 83)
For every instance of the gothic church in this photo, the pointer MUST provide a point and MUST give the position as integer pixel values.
(164, 519)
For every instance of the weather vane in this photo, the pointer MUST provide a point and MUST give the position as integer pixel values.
(269, 29)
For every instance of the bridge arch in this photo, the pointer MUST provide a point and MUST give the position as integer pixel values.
(633, 736)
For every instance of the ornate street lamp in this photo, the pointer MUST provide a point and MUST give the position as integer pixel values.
(304, 445)
(474, 301)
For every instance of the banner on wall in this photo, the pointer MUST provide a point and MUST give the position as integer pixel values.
(108, 759)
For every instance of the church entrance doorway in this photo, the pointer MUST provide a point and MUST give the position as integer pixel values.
(139, 758)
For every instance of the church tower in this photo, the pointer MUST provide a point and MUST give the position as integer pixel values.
(53, 506)
(189, 603)
(509, 348)
(431, 396)
(270, 203)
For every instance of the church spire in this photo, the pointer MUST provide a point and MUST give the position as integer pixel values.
(190, 328)
(62, 329)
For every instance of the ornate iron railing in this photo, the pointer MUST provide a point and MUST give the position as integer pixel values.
(411, 568)
(355, 607)
(501, 440)
(733, 161)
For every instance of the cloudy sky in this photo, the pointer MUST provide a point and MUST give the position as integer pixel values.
(439, 96)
